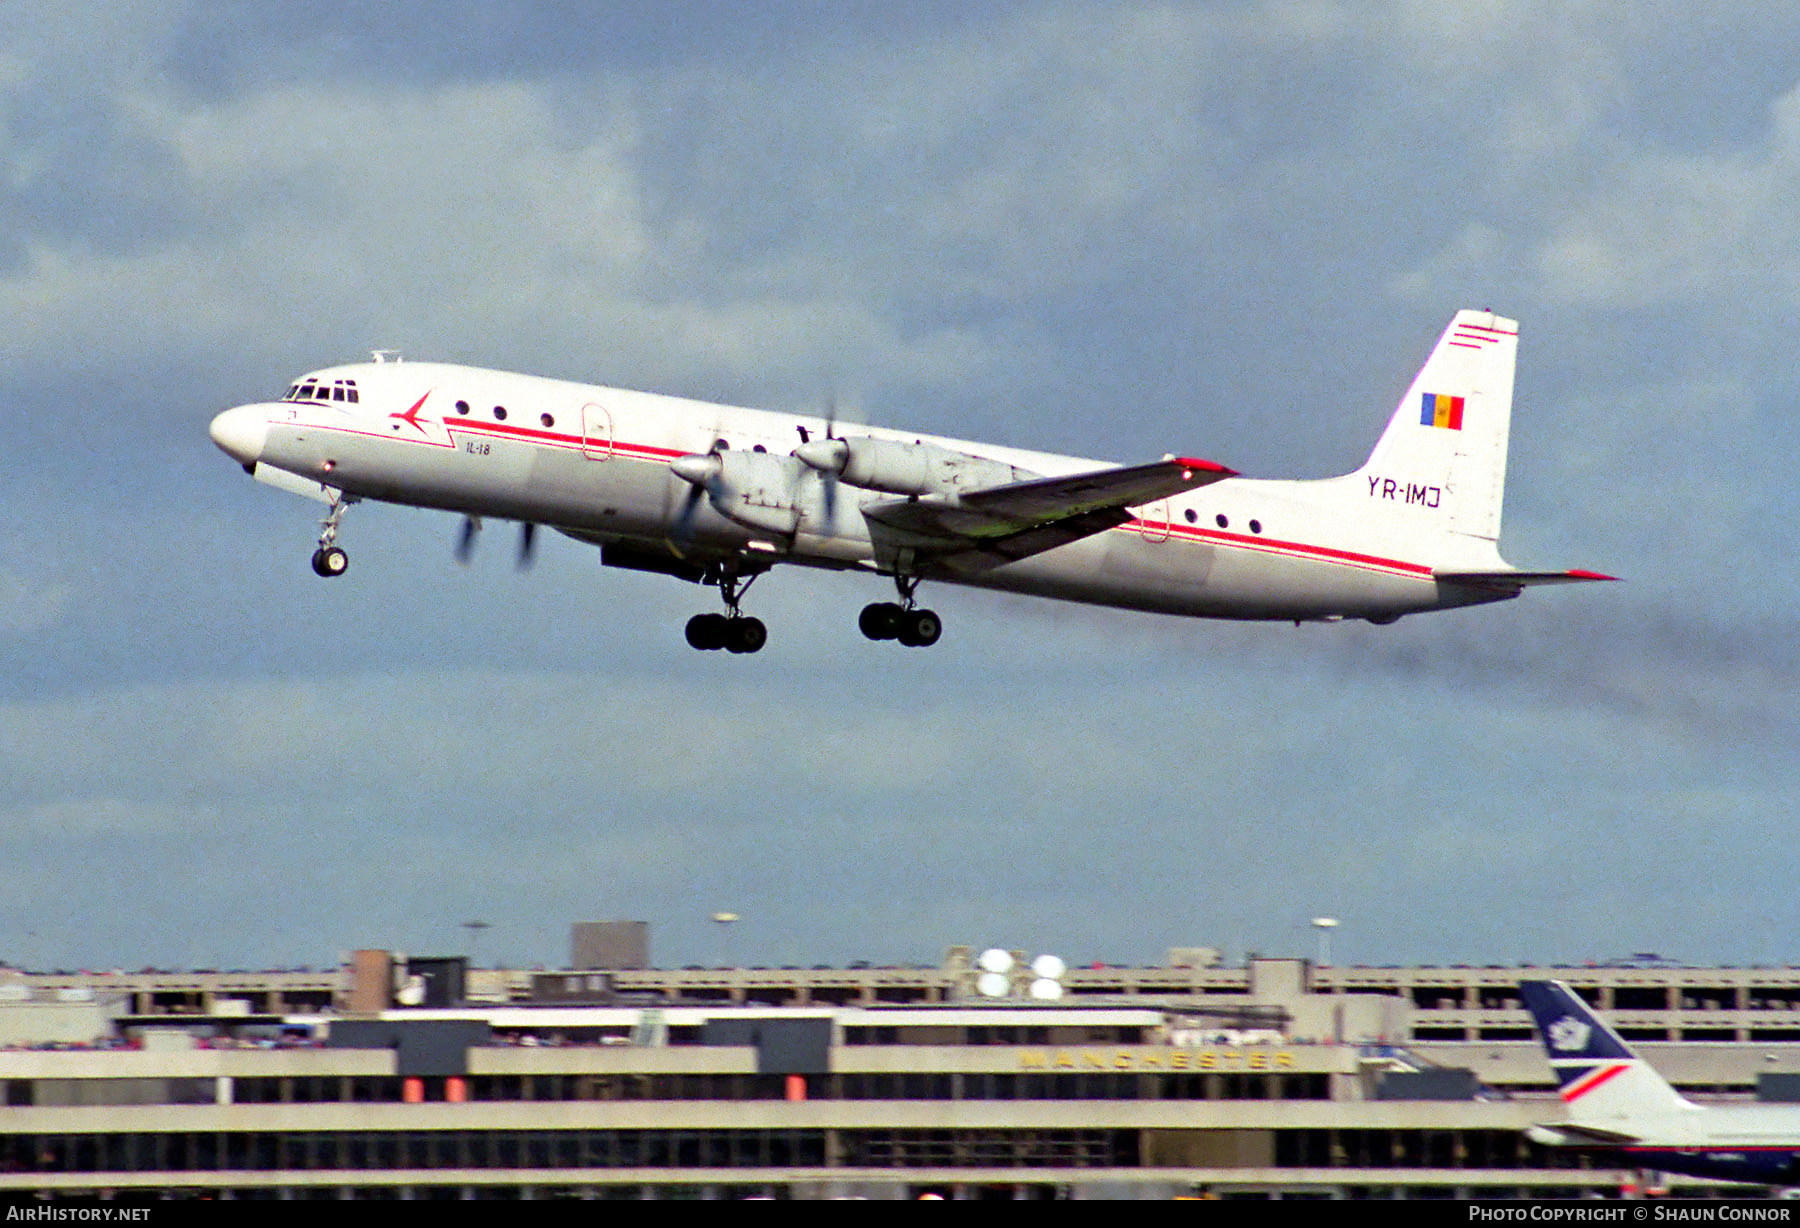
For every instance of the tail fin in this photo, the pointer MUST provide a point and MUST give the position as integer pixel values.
(1602, 1081)
(1442, 460)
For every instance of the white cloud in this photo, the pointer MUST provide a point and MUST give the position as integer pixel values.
(1644, 226)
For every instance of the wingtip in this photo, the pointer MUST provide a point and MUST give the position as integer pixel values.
(1204, 466)
(1578, 573)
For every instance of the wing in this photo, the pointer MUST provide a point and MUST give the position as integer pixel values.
(1024, 518)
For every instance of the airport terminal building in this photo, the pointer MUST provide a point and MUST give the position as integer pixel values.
(425, 1078)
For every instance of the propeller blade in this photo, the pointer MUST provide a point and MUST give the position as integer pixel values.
(684, 523)
(527, 543)
(465, 541)
(700, 470)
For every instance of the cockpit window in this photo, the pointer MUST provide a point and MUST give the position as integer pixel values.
(318, 390)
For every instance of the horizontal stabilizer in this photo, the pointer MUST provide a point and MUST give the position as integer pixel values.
(1517, 580)
(1091, 502)
(1577, 1135)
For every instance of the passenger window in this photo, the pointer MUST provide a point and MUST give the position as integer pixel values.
(499, 413)
(547, 420)
(462, 407)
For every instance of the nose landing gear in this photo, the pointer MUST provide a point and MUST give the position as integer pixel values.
(329, 559)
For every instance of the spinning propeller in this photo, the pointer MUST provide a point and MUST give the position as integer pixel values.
(827, 457)
(701, 471)
(471, 530)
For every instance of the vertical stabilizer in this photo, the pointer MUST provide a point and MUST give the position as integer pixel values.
(1602, 1081)
(1442, 460)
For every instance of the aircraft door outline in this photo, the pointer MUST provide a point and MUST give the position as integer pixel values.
(596, 432)
(1154, 525)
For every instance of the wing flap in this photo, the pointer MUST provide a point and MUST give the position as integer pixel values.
(1030, 517)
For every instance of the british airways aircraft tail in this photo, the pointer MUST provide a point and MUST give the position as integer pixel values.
(1604, 1084)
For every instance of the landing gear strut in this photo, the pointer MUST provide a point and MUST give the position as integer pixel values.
(888, 620)
(329, 559)
(731, 630)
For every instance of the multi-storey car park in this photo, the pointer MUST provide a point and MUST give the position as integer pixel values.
(427, 1078)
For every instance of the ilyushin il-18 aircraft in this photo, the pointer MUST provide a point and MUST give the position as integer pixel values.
(719, 495)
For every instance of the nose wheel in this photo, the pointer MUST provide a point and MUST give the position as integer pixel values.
(329, 559)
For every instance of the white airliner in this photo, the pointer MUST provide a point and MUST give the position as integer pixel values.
(1617, 1103)
(719, 495)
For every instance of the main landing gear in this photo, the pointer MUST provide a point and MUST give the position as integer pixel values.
(329, 559)
(732, 630)
(888, 620)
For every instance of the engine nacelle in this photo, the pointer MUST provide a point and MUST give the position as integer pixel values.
(899, 468)
(754, 489)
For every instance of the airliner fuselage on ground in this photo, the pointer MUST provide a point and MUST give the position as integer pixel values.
(719, 495)
(1617, 1103)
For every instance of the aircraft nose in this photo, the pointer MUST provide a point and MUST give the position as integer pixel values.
(241, 433)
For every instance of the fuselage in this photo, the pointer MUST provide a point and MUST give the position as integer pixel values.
(595, 462)
(1756, 1143)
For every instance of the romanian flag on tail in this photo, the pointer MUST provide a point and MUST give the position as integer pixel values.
(1439, 410)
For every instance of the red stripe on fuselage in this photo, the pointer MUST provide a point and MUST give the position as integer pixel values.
(1272, 545)
(1145, 528)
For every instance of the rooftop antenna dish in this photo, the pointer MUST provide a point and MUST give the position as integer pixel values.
(381, 356)
(1047, 971)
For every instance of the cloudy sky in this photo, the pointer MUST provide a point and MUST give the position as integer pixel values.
(1118, 230)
